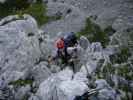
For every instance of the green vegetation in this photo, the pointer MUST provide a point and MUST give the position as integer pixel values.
(122, 56)
(124, 71)
(11, 6)
(25, 97)
(105, 72)
(20, 7)
(94, 33)
(109, 30)
(21, 82)
(37, 10)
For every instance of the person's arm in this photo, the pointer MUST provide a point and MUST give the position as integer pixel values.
(70, 50)
(53, 57)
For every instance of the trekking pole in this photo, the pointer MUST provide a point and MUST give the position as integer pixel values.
(87, 94)
(86, 69)
(93, 91)
(85, 62)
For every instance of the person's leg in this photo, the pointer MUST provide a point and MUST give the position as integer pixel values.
(73, 67)
(65, 56)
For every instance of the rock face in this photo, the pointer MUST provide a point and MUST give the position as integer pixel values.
(40, 72)
(19, 48)
(25, 72)
(72, 20)
(115, 13)
(109, 14)
(20, 53)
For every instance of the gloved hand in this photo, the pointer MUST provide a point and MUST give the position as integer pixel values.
(50, 59)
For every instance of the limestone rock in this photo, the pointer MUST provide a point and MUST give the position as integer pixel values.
(40, 72)
(61, 87)
(23, 91)
(18, 50)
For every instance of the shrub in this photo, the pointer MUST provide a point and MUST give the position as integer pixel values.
(17, 4)
(109, 30)
(37, 10)
(12, 5)
(121, 57)
(94, 33)
(20, 7)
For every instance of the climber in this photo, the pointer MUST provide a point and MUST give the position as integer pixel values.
(62, 45)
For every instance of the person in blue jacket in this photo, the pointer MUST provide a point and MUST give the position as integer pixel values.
(62, 43)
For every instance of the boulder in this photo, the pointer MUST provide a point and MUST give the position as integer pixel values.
(18, 49)
(25, 24)
(22, 92)
(105, 92)
(96, 47)
(61, 86)
(40, 72)
(83, 42)
(19, 52)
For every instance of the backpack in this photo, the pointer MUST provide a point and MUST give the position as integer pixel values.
(70, 39)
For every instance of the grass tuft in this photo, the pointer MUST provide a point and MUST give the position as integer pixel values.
(94, 33)
(21, 82)
(37, 10)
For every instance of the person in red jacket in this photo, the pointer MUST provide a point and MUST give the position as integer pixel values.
(62, 44)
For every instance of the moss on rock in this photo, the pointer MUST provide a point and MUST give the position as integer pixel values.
(21, 82)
